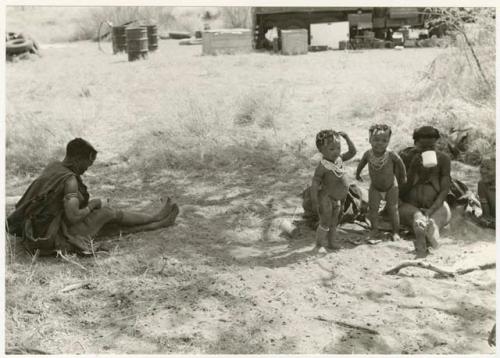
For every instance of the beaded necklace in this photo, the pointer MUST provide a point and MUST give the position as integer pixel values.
(336, 168)
(377, 163)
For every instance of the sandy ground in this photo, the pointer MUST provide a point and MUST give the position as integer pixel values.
(225, 279)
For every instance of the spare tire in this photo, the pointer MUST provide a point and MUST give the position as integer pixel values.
(18, 46)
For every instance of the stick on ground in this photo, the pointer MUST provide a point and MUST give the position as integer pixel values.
(347, 325)
(439, 271)
(76, 286)
(59, 253)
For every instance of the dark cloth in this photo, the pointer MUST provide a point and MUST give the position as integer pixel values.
(38, 217)
(355, 207)
(487, 196)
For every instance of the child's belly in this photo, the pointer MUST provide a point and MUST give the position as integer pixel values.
(383, 183)
(383, 179)
(335, 188)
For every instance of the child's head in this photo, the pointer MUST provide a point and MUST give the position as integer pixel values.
(380, 135)
(487, 169)
(328, 143)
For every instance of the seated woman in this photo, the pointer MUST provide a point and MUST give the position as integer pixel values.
(55, 212)
(424, 208)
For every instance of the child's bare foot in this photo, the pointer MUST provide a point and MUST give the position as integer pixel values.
(396, 237)
(374, 234)
(422, 254)
(321, 250)
(334, 245)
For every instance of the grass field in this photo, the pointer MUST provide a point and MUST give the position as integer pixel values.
(231, 138)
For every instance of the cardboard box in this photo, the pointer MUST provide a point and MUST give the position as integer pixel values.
(226, 41)
(294, 42)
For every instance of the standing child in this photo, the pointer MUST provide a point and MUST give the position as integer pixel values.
(329, 186)
(386, 170)
(486, 191)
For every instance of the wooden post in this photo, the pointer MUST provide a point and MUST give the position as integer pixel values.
(253, 25)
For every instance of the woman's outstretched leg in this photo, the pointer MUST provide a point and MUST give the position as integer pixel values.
(165, 222)
(108, 221)
(131, 218)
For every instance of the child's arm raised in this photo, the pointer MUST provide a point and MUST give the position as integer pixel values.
(351, 152)
(361, 165)
(316, 184)
(399, 168)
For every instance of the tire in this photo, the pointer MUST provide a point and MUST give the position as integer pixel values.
(18, 46)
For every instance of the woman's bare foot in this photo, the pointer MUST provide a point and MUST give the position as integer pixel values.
(165, 211)
(432, 234)
(170, 218)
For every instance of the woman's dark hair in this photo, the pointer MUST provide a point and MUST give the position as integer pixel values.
(80, 148)
(426, 132)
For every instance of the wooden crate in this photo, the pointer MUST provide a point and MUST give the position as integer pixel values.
(226, 41)
(294, 42)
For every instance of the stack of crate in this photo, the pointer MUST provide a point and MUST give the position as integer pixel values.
(226, 41)
(294, 42)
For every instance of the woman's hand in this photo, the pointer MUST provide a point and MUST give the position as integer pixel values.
(428, 212)
(95, 204)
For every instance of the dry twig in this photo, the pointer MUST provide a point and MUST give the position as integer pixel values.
(439, 271)
(348, 325)
(60, 254)
(76, 286)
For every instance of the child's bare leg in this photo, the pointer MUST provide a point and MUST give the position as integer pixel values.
(325, 218)
(321, 235)
(332, 234)
(341, 211)
(392, 199)
(374, 199)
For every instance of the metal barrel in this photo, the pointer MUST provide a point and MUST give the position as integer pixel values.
(152, 31)
(137, 43)
(119, 39)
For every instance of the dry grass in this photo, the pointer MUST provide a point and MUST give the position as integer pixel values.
(52, 24)
(259, 112)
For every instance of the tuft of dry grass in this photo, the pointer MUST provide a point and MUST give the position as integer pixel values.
(204, 136)
(237, 17)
